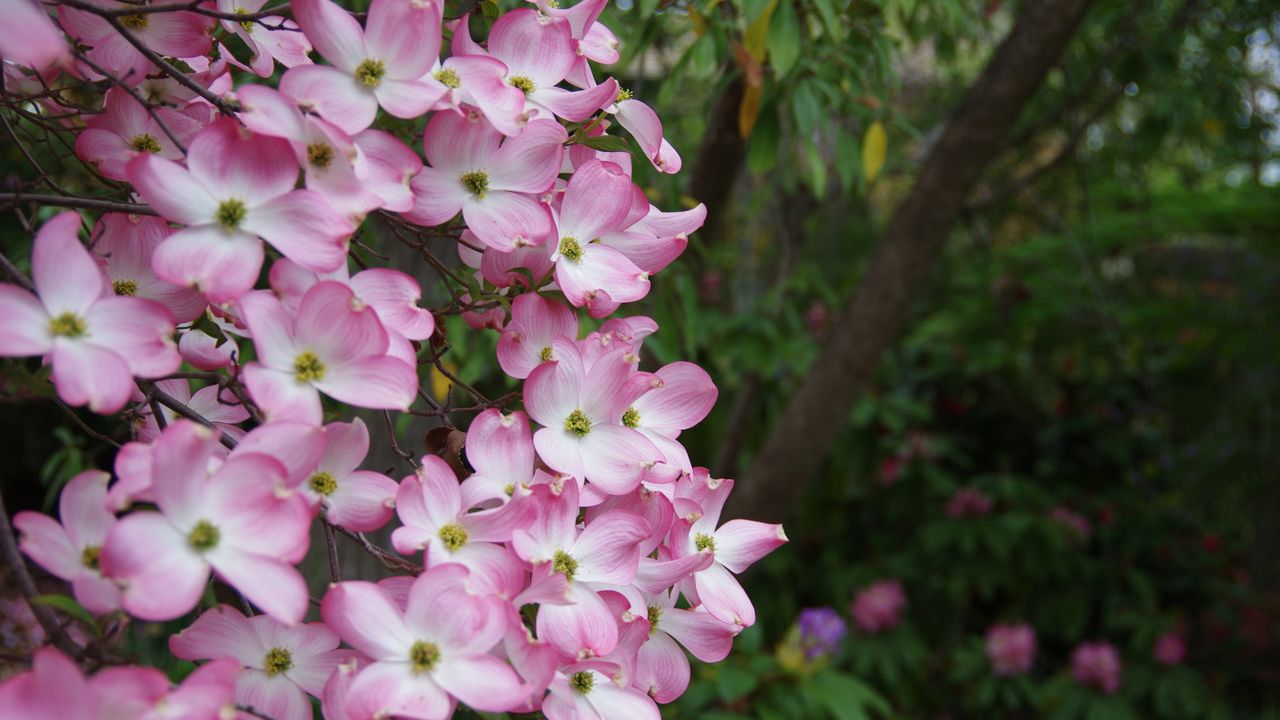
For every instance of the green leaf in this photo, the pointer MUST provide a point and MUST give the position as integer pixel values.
(829, 18)
(806, 107)
(734, 682)
(784, 39)
(846, 697)
(762, 152)
(67, 606)
(606, 143)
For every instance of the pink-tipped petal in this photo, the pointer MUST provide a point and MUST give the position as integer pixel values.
(739, 543)
(332, 31)
(305, 227)
(91, 375)
(367, 619)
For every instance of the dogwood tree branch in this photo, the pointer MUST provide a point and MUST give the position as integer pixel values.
(901, 264)
(45, 616)
(71, 201)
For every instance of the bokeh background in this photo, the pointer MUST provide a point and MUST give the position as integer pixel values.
(1075, 437)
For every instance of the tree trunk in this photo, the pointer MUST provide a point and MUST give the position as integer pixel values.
(901, 264)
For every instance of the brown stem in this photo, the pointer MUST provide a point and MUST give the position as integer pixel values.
(76, 202)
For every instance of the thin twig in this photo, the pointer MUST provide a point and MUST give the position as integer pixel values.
(77, 202)
(44, 615)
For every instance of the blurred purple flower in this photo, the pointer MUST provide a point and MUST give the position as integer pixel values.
(880, 606)
(821, 630)
(1011, 648)
(1097, 664)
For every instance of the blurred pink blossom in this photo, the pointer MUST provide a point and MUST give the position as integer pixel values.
(879, 607)
(968, 502)
(1011, 648)
(1097, 664)
(1170, 648)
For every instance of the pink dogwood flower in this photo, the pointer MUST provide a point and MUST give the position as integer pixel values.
(282, 664)
(127, 244)
(1011, 648)
(537, 52)
(378, 65)
(427, 654)
(735, 546)
(587, 690)
(1097, 664)
(642, 122)
(174, 34)
(237, 187)
(500, 448)
(605, 552)
(71, 549)
(125, 129)
(331, 161)
(879, 606)
(527, 340)
(358, 500)
(266, 43)
(491, 181)
(240, 521)
(600, 199)
(437, 522)
(581, 412)
(95, 341)
(335, 344)
(680, 397)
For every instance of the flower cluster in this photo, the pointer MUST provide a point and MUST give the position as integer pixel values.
(879, 606)
(1011, 648)
(568, 565)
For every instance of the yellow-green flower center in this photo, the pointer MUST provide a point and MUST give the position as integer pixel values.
(135, 22)
(370, 72)
(204, 536)
(448, 77)
(582, 682)
(562, 562)
(278, 660)
(308, 368)
(570, 248)
(423, 656)
(704, 542)
(546, 354)
(476, 182)
(146, 142)
(125, 287)
(323, 483)
(522, 82)
(231, 213)
(623, 94)
(631, 418)
(578, 423)
(453, 536)
(655, 614)
(319, 155)
(246, 24)
(68, 324)
(90, 555)
(509, 489)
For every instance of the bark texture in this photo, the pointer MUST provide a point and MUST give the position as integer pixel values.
(875, 314)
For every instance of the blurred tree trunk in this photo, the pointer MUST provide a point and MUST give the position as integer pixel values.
(901, 264)
(718, 163)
